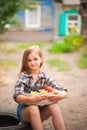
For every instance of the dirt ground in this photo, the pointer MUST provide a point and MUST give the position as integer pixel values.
(73, 108)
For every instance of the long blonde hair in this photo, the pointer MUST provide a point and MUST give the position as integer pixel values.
(27, 52)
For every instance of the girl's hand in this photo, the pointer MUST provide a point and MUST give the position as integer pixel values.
(37, 98)
(55, 91)
(30, 99)
(58, 95)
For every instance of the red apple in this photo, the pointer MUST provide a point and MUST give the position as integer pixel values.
(49, 89)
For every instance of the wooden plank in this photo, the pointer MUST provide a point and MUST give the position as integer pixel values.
(83, 1)
(71, 2)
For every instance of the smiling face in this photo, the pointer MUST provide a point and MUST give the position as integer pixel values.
(34, 61)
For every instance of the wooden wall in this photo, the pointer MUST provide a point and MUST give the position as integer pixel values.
(84, 18)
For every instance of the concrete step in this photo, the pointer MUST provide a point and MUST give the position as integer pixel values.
(28, 36)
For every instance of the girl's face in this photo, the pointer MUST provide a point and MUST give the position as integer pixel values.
(34, 61)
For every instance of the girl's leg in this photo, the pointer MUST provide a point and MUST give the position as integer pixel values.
(54, 111)
(57, 117)
(32, 114)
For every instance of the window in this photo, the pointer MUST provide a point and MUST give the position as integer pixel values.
(73, 17)
(73, 24)
(33, 18)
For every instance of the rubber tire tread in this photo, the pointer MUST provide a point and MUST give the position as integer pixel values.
(22, 126)
(18, 127)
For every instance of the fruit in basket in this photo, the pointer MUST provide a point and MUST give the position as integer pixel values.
(46, 90)
(49, 89)
(43, 91)
(34, 92)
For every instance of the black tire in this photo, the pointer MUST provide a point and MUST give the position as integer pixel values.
(9, 121)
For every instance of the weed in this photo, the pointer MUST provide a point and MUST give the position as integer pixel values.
(8, 50)
(27, 45)
(7, 63)
(70, 44)
(82, 62)
(61, 65)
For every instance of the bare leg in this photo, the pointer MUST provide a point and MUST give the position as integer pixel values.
(54, 111)
(57, 118)
(32, 114)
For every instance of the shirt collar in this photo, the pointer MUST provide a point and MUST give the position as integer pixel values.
(40, 75)
(27, 75)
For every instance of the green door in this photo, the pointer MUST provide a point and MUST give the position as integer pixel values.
(62, 24)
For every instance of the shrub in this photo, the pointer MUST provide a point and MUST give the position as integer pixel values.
(70, 44)
(82, 62)
(75, 40)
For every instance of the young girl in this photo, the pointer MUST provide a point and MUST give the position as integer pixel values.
(32, 78)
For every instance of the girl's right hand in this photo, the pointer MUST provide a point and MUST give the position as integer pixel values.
(37, 98)
(30, 99)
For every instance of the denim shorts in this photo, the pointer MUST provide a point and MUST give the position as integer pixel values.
(20, 107)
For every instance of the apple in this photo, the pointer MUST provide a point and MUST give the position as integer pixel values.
(49, 89)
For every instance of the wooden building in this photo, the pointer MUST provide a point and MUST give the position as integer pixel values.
(50, 20)
(71, 4)
(83, 11)
(70, 18)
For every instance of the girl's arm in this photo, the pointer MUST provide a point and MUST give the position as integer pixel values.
(59, 91)
(57, 96)
(21, 88)
(53, 84)
(30, 99)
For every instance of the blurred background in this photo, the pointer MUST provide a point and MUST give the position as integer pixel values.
(59, 27)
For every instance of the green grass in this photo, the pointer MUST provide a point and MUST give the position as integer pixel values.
(17, 47)
(2, 40)
(61, 65)
(70, 44)
(82, 62)
(61, 48)
(27, 45)
(8, 50)
(7, 63)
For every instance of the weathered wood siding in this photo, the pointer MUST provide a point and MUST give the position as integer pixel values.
(84, 18)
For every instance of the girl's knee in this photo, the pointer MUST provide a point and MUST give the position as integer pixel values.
(33, 110)
(54, 107)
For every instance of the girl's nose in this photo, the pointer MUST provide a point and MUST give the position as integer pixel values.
(32, 62)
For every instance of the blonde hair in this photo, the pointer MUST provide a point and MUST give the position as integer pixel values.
(27, 52)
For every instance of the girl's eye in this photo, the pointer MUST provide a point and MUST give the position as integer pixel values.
(35, 59)
(29, 60)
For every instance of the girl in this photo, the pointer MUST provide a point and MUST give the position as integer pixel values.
(32, 78)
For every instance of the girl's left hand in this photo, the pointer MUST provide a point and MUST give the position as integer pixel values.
(57, 96)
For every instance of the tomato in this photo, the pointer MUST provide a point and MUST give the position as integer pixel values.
(49, 89)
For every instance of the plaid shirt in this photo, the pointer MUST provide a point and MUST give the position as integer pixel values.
(25, 83)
